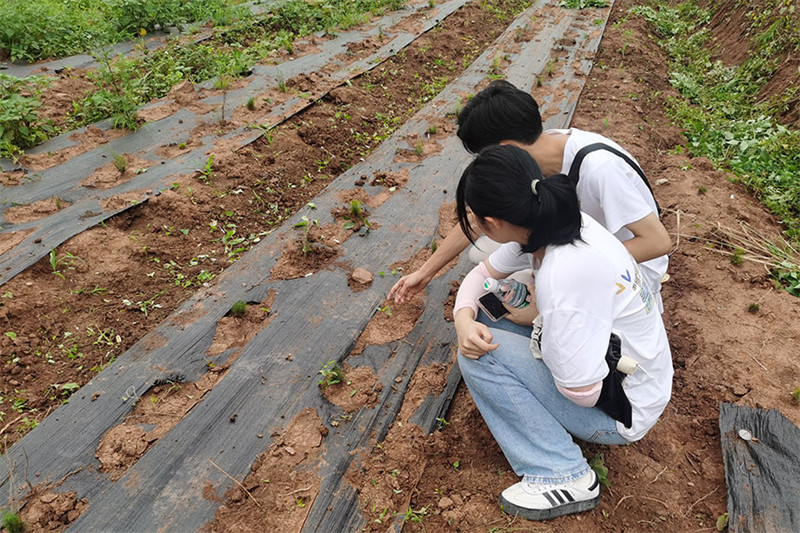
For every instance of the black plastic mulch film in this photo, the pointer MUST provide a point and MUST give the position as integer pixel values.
(169, 479)
(761, 451)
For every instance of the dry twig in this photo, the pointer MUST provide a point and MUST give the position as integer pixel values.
(235, 481)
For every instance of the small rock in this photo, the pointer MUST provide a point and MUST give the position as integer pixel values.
(740, 390)
(362, 276)
(444, 502)
(662, 181)
(289, 450)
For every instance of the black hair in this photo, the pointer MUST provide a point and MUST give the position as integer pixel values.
(500, 112)
(498, 184)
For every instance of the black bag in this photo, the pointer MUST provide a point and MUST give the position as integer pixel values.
(613, 401)
(575, 168)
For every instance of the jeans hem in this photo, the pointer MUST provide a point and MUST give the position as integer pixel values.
(539, 480)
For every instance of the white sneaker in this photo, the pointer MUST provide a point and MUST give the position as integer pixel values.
(536, 501)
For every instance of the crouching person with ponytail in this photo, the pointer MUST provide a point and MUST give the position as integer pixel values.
(598, 364)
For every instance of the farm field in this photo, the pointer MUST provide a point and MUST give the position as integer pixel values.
(241, 210)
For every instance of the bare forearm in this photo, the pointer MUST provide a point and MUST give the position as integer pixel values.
(643, 249)
(650, 239)
(448, 249)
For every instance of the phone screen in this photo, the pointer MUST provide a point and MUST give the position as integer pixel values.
(492, 306)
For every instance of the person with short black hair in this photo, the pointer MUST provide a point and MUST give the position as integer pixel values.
(597, 365)
(610, 184)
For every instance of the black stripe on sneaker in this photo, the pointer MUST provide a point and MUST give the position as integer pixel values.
(550, 499)
(596, 482)
(567, 495)
(558, 497)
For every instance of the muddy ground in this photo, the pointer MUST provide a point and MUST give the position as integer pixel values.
(733, 333)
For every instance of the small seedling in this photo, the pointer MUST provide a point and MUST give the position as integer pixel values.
(415, 516)
(120, 162)
(442, 422)
(737, 256)
(208, 171)
(251, 104)
(56, 263)
(722, 522)
(12, 523)
(418, 149)
(239, 308)
(701, 190)
(754, 308)
(796, 395)
(332, 373)
(432, 129)
(305, 223)
(385, 309)
(456, 464)
(600, 469)
(359, 212)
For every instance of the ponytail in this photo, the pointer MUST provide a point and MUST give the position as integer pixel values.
(501, 183)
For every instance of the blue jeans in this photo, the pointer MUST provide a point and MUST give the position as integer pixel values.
(529, 418)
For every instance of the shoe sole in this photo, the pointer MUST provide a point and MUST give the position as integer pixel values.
(547, 514)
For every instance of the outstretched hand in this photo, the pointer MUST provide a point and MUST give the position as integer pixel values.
(408, 286)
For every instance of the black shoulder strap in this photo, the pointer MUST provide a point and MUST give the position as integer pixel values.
(575, 168)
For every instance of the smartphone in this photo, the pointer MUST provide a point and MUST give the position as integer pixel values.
(492, 306)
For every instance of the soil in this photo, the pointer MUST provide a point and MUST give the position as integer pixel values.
(732, 332)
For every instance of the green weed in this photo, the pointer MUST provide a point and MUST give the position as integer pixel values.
(239, 308)
(583, 4)
(600, 469)
(332, 373)
(20, 125)
(720, 109)
(12, 523)
(120, 162)
(415, 516)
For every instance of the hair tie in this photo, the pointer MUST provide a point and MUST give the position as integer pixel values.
(534, 183)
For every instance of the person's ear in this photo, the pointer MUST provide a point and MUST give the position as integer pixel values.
(493, 223)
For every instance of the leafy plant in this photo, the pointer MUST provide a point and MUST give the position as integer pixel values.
(120, 162)
(415, 516)
(20, 125)
(720, 109)
(332, 373)
(67, 259)
(600, 469)
(239, 308)
(12, 523)
(796, 395)
(722, 522)
(306, 244)
(207, 172)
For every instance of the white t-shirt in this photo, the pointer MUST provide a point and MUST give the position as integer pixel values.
(585, 291)
(614, 194)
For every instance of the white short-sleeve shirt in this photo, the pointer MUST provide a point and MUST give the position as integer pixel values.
(614, 194)
(584, 292)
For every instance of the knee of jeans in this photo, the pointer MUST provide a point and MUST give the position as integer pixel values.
(604, 436)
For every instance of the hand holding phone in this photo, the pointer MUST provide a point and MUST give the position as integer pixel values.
(492, 306)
